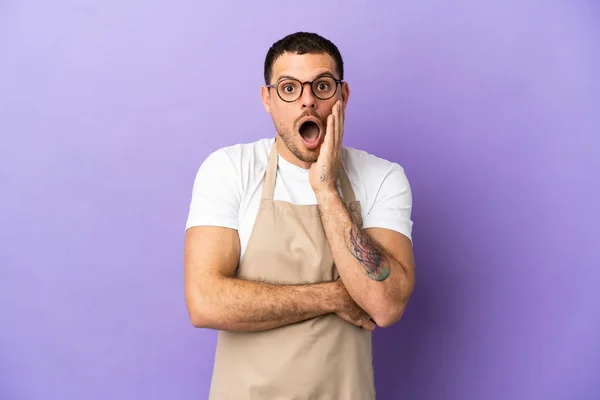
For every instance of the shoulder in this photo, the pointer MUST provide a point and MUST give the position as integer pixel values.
(387, 193)
(239, 156)
(259, 148)
(368, 167)
(220, 183)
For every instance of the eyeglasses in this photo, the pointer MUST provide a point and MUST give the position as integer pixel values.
(290, 90)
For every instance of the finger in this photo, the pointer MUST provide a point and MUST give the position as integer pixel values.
(360, 322)
(369, 325)
(339, 129)
(342, 119)
(332, 131)
(336, 114)
(329, 133)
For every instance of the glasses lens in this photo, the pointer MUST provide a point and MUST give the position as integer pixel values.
(289, 89)
(324, 88)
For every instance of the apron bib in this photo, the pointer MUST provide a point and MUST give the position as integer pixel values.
(321, 358)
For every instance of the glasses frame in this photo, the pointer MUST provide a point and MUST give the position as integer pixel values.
(276, 87)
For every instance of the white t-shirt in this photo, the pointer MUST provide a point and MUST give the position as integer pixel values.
(228, 188)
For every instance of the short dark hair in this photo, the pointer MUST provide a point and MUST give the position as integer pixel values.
(302, 43)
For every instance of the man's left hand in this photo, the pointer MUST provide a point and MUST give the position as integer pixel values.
(324, 172)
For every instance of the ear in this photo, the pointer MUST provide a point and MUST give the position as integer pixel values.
(345, 94)
(265, 96)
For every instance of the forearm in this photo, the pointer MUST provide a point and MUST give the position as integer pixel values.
(234, 304)
(375, 280)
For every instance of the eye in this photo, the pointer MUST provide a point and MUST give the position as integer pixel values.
(288, 87)
(323, 86)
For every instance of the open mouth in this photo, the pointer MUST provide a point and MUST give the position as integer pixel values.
(310, 132)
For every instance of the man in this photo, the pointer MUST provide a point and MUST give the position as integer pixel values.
(296, 246)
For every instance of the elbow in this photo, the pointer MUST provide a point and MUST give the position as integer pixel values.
(206, 305)
(390, 312)
(203, 305)
(199, 313)
(389, 316)
(198, 318)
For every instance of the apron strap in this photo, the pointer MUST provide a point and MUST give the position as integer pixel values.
(347, 191)
(271, 175)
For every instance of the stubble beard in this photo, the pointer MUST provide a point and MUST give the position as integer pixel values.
(293, 142)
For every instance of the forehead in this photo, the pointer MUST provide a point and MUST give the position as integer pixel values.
(303, 66)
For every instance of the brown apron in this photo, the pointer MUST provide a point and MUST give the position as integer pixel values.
(321, 358)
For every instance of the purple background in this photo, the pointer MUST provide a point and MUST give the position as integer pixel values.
(108, 108)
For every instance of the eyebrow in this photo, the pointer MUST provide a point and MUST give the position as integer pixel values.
(322, 74)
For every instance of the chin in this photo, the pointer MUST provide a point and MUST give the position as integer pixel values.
(306, 155)
(311, 158)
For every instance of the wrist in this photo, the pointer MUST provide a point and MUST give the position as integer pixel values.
(328, 194)
(332, 297)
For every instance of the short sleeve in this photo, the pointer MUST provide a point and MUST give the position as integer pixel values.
(215, 194)
(392, 206)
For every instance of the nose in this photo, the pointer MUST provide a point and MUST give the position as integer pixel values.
(307, 99)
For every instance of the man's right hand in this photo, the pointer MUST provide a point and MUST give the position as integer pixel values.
(347, 309)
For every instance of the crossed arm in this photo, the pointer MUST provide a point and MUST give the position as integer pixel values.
(375, 266)
(216, 299)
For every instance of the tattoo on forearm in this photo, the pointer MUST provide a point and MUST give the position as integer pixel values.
(375, 263)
